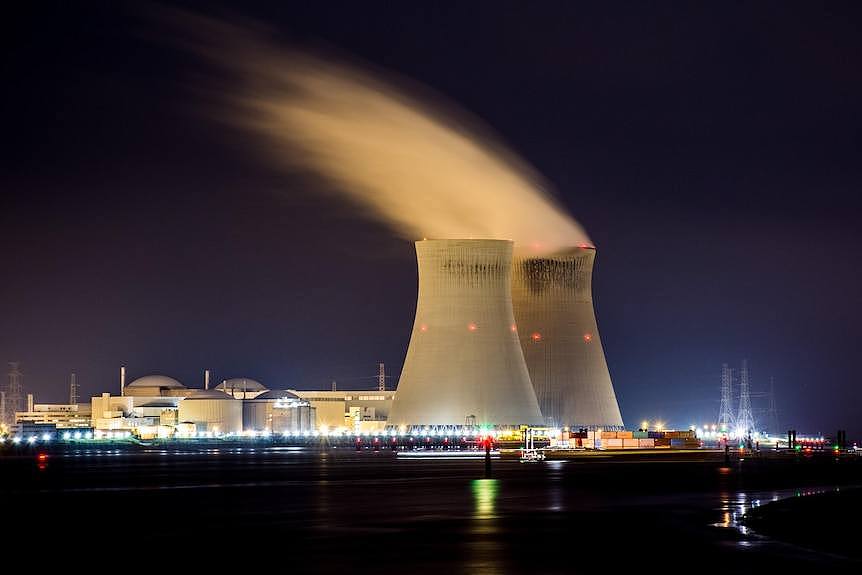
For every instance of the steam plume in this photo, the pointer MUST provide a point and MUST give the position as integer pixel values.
(413, 161)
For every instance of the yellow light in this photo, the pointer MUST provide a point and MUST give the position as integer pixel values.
(644, 424)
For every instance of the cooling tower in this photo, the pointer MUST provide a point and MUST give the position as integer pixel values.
(553, 304)
(464, 364)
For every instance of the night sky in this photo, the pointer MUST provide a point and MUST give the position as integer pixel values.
(711, 151)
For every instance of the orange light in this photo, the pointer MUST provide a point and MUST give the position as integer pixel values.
(423, 327)
(536, 336)
(42, 457)
(472, 327)
(514, 328)
(588, 337)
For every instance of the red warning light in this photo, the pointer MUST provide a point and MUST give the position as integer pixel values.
(514, 328)
(472, 327)
(42, 457)
(536, 336)
(423, 327)
(588, 337)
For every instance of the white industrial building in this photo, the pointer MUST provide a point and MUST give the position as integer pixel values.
(211, 410)
(149, 401)
(61, 415)
(363, 411)
(278, 412)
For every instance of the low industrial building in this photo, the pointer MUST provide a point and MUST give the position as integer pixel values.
(362, 411)
(211, 411)
(60, 415)
(278, 412)
(152, 400)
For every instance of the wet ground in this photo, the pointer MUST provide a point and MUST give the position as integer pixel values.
(341, 511)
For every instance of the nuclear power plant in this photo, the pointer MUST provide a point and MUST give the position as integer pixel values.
(504, 339)
(553, 303)
(464, 364)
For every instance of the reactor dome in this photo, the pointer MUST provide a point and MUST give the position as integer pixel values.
(208, 394)
(277, 394)
(242, 387)
(156, 381)
(156, 386)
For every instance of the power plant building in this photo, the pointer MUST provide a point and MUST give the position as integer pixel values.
(363, 411)
(242, 388)
(553, 305)
(60, 415)
(212, 411)
(278, 412)
(464, 364)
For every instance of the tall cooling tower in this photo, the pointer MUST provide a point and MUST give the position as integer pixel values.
(553, 304)
(464, 364)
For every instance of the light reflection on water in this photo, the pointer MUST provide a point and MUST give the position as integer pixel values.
(484, 548)
(485, 498)
(734, 507)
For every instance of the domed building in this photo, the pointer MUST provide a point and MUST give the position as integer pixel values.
(278, 411)
(156, 386)
(242, 387)
(211, 410)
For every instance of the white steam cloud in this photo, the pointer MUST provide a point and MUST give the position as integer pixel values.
(413, 161)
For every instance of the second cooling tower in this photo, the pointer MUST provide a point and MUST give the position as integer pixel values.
(464, 364)
(553, 304)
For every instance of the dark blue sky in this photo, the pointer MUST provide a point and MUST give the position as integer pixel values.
(711, 151)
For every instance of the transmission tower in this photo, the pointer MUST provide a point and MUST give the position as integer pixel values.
(726, 420)
(14, 393)
(745, 424)
(381, 377)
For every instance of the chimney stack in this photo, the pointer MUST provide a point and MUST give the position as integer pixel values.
(122, 381)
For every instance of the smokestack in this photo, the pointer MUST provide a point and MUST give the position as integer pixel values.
(334, 386)
(29, 403)
(553, 304)
(123, 381)
(207, 379)
(464, 362)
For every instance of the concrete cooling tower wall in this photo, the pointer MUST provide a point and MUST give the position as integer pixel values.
(464, 364)
(553, 305)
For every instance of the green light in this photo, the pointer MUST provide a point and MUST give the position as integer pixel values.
(798, 448)
(485, 497)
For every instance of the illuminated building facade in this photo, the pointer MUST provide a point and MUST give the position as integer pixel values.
(363, 411)
(61, 415)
